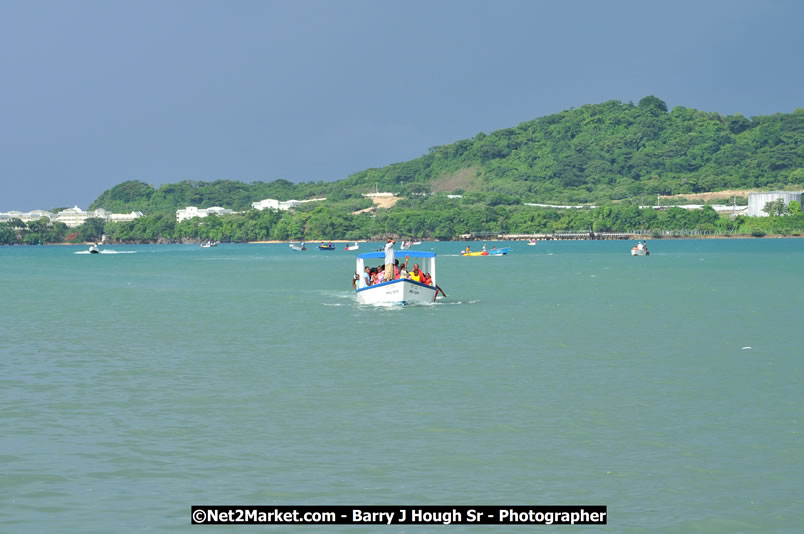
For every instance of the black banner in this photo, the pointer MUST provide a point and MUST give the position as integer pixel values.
(398, 515)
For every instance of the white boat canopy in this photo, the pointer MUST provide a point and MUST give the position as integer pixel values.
(424, 255)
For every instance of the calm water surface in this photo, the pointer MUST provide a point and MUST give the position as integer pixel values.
(669, 388)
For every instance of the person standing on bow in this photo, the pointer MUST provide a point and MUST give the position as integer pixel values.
(389, 259)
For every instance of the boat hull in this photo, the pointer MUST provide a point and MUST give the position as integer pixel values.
(639, 252)
(492, 252)
(400, 292)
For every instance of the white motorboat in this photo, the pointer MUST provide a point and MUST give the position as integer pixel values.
(640, 249)
(353, 247)
(298, 247)
(93, 249)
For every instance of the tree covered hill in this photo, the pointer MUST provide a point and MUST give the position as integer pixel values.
(596, 153)
(135, 195)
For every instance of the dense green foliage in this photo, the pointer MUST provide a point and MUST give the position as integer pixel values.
(139, 196)
(612, 151)
(433, 217)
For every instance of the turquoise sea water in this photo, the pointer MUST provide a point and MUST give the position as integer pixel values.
(668, 388)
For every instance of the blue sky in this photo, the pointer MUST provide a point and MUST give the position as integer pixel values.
(93, 93)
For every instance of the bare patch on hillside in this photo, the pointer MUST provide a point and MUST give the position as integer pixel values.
(385, 202)
(466, 179)
(379, 202)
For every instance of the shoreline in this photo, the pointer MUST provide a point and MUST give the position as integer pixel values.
(635, 238)
(465, 240)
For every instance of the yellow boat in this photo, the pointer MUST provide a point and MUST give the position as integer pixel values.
(493, 252)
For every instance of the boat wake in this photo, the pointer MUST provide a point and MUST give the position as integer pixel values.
(108, 252)
(440, 302)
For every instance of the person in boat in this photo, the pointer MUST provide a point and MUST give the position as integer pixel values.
(403, 270)
(389, 259)
(415, 274)
(484, 247)
(640, 246)
(467, 249)
(363, 279)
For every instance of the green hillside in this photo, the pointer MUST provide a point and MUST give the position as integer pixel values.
(594, 154)
(611, 151)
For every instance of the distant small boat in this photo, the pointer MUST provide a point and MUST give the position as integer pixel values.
(322, 246)
(208, 244)
(415, 242)
(93, 249)
(298, 247)
(640, 249)
(492, 252)
(353, 247)
(404, 245)
(531, 242)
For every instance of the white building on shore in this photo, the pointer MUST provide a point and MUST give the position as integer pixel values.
(26, 217)
(75, 216)
(72, 217)
(191, 211)
(284, 205)
(124, 217)
(757, 201)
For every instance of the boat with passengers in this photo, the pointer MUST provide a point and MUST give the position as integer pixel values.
(402, 290)
(640, 249)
